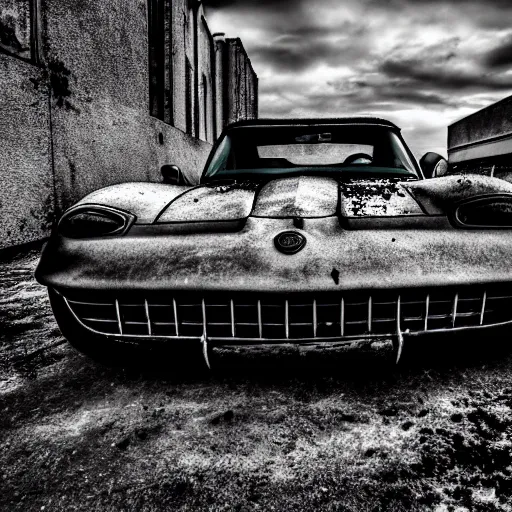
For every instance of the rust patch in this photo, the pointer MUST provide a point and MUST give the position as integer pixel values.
(335, 274)
(375, 198)
(59, 84)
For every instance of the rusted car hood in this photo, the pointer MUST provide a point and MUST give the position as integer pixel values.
(295, 197)
(397, 235)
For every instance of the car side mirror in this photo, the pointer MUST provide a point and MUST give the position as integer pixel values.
(172, 175)
(433, 165)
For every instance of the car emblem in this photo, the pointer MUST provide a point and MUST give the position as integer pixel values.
(289, 242)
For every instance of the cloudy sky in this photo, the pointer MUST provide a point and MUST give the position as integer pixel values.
(420, 63)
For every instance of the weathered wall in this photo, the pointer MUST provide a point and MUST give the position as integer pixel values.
(206, 74)
(241, 103)
(493, 120)
(219, 56)
(486, 133)
(26, 191)
(75, 100)
(103, 133)
(183, 35)
(482, 142)
(236, 83)
(16, 28)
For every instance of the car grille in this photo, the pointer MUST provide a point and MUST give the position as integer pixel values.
(291, 316)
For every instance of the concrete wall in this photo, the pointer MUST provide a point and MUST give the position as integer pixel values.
(103, 133)
(182, 51)
(242, 81)
(206, 76)
(16, 28)
(219, 43)
(237, 83)
(26, 178)
(75, 105)
(492, 121)
(482, 142)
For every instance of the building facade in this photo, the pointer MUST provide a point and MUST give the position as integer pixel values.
(482, 142)
(94, 93)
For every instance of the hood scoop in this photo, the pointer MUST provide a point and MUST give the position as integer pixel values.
(303, 197)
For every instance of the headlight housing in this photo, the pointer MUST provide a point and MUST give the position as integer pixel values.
(92, 221)
(485, 212)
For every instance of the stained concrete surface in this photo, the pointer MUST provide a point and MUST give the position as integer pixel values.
(266, 432)
(26, 178)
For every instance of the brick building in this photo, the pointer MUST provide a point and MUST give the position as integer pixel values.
(94, 93)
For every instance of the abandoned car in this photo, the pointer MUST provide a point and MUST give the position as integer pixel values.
(305, 232)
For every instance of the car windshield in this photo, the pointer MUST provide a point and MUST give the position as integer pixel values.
(284, 150)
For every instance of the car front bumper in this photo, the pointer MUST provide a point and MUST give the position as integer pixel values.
(277, 320)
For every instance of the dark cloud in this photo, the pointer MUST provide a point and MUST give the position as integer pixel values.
(501, 56)
(253, 4)
(444, 78)
(421, 63)
(301, 48)
(498, 3)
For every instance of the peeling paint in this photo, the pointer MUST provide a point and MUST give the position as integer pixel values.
(59, 83)
(364, 198)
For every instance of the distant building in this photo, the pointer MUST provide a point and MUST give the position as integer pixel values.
(94, 93)
(482, 142)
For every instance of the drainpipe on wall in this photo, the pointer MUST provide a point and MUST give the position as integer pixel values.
(220, 86)
(195, 10)
(39, 59)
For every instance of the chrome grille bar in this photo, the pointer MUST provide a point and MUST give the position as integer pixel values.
(454, 309)
(233, 330)
(146, 307)
(427, 306)
(400, 338)
(304, 317)
(260, 324)
(203, 308)
(315, 322)
(176, 324)
(118, 314)
(370, 304)
(482, 312)
(398, 315)
(286, 319)
(342, 317)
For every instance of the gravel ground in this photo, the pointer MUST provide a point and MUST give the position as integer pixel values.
(267, 432)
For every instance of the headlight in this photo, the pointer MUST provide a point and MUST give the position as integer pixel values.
(485, 212)
(89, 221)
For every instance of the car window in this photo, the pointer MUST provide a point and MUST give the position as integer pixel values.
(284, 150)
(316, 154)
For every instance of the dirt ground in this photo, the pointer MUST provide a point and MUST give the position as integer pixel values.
(268, 432)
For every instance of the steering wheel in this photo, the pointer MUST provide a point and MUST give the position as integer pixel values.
(363, 158)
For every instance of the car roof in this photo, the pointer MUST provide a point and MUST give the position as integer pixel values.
(376, 121)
